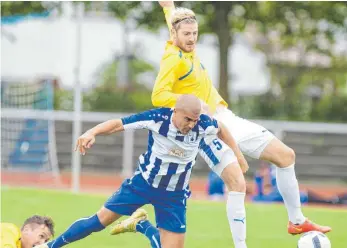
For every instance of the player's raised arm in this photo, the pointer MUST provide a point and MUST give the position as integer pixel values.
(86, 140)
(228, 139)
(135, 121)
(162, 94)
(168, 8)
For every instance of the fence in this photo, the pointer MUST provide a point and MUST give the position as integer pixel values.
(321, 148)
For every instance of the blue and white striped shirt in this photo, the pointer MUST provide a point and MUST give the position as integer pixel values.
(170, 156)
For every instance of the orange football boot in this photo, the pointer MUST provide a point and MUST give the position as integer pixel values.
(307, 226)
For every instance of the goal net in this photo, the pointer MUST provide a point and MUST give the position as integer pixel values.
(27, 143)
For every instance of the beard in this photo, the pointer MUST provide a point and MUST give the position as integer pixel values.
(186, 47)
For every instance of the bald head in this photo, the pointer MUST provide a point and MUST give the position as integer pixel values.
(189, 104)
(187, 113)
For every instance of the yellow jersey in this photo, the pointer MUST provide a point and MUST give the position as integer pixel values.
(10, 236)
(182, 73)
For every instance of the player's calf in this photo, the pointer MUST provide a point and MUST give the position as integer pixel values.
(83, 227)
(78, 230)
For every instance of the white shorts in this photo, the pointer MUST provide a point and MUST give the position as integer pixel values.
(216, 153)
(250, 137)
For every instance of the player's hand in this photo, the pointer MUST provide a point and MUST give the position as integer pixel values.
(85, 141)
(167, 4)
(243, 163)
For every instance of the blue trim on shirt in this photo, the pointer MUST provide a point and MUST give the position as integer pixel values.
(188, 73)
(205, 121)
(208, 151)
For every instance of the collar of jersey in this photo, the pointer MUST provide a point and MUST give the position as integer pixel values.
(176, 48)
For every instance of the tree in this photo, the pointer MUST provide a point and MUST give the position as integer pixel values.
(282, 25)
(9, 8)
(107, 96)
(304, 30)
(15, 8)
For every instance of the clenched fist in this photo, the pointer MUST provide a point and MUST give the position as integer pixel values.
(166, 4)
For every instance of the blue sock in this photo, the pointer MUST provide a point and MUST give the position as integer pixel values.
(145, 227)
(78, 230)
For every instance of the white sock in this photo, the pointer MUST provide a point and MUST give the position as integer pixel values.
(289, 188)
(237, 218)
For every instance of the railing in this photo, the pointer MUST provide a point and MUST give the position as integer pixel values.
(277, 127)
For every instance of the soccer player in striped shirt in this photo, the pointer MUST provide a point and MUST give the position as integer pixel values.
(181, 72)
(162, 176)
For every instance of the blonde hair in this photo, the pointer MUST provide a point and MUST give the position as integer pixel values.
(182, 15)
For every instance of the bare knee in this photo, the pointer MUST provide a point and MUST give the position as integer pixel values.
(287, 158)
(106, 216)
(291, 156)
(278, 153)
(233, 178)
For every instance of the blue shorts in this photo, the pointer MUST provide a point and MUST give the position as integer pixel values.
(169, 207)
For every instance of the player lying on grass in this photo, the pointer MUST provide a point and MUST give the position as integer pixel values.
(181, 72)
(36, 230)
(163, 172)
(265, 176)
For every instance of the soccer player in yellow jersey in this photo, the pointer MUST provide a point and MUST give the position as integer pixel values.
(181, 72)
(36, 230)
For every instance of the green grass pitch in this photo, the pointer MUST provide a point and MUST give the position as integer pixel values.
(207, 225)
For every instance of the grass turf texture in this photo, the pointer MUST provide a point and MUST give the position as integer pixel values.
(207, 225)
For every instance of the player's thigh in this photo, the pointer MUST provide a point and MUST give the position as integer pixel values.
(170, 239)
(129, 197)
(216, 154)
(251, 138)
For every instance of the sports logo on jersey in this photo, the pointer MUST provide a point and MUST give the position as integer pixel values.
(191, 137)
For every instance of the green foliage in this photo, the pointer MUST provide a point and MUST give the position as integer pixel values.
(141, 100)
(300, 108)
(63, 99)
(331, 109)
(105, 100)
(9, 8)
(302, 28)
(108, 97)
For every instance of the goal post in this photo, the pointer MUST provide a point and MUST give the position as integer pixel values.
(27, 143)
